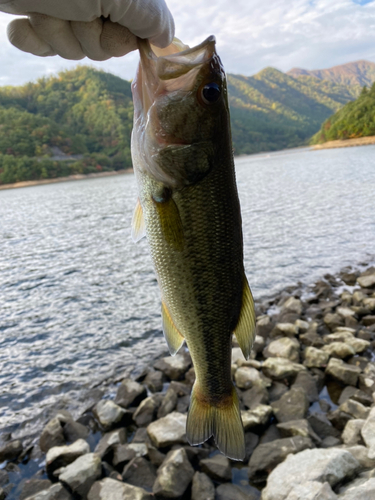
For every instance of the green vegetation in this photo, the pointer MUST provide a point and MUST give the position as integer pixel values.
(80, 121)
(355, 119)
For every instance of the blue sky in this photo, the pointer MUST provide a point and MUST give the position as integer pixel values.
(251, 35)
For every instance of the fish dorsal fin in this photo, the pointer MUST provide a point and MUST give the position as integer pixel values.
(245, 329)
(171, 223)
(173, 337)
(138, 223)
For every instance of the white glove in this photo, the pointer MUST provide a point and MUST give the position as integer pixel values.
(74, 29)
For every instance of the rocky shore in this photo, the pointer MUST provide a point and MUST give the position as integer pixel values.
(347, 143)
(308, 407)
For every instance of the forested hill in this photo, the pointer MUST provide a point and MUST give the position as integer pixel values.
(80, 121)
(355, 119)
(355, 73)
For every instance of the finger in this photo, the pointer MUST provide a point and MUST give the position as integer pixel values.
(22, 36)
(88, 35)
(58, 34)
(116, 40)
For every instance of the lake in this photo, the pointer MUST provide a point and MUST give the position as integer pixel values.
(79, 300)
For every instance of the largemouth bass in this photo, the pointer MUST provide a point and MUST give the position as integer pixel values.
(188, 208)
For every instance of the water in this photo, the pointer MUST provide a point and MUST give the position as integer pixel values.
(79, 301)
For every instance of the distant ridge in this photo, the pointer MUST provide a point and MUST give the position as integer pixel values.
(354, 73)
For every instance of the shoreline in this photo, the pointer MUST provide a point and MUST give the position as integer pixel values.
(76, 177)
(347, 143)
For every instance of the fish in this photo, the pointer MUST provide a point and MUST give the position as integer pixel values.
(189, 210)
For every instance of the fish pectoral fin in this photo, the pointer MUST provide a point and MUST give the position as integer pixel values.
(171, 223)
(223, 422)
(172, 335)
(138, 223)
(245, 329)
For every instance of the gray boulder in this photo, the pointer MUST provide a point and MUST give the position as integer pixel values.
(230, 491)
(315, 358)
(360, 489)
(139, 472)
(257, 395)
(217, 468)
(74, 430)
(54, 492)
(122, 455)
(298, 428)
(339, 350)
(355, 409)
(168, 403)
(174, 367)
(174, 475)
(110, 414)
(109, 440)
(284, 347)
(202, 488)
(61, 456)
(293, 405)
(130, 393)
(267, 456)
(308, 384)
(168, 430)
(368, 433)
(351, 435)
(331, 465)
(245, 377)
(11, 450)
(146, 411)
(281, 368)
(259, 416)
(81, 474)
(344, 373)
(110, 489)
(155, 380)
(33, 486)
(322, 426)
(312, 490)
(367, 279)
(52, 435)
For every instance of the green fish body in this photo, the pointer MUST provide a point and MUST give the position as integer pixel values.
(189, 210)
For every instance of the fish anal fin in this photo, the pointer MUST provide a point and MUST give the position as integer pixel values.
(222, 421)
(138, 223)
(245, 329)
(172, 335)
(171, 223)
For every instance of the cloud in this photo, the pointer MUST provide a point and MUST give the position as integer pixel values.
(250, 34)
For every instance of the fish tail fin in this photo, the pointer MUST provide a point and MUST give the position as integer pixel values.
(222, 421)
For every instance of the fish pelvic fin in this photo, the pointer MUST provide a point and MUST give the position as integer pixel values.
(245, 329)
(222, 421)
(172, 335)
(138, 223)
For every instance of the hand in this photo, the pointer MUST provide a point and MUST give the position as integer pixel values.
(98, 29)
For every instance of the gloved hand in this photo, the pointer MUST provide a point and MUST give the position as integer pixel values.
(98, 29)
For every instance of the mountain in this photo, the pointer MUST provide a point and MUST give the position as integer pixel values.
(355, 119)
(272, 110)
(355, 73)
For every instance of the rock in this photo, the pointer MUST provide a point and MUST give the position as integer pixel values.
(11, 450)
(229, 491)
(358, 489)
(339, 350)
(267, 456)
(338, 418)
(368, 320)
(246, 377)
(108, 441)
(284, 329)
(284, 347)
(257, 395)
(264, 326)
(347, 393)
(277, 390)
(315, 358)
(258, 417)
(369, 303)
(312, 490)
(168, 430)
(74, 430)
(217, 468)
(307, 383)
(343, 334)
(155, 456)
(368, 433)
(174, 367)
(332, 465)
(344, 373)
(52, 435)
(110, 414)
(139, 472)
(140, 435)
(311, 339)
(302, 326)
(345, 312)
(155, 380)
(322, 426)
(130, 393)
(146, 411)
(110, 489)
(351, 435)
(298, 428)
(174, 475)
(4, 477)
(360, 453)
(294, 305)
(270, 434)
(355, 409)
(122, 455)
(61, 456)
(33, 486)
(332, 321)
(367, 280)
(330, 442)
(80, 475)
(293, 405)
(203, 488)
(183, 404)
(281, 369)
(251, 442)
(359, 345)
(54, 492)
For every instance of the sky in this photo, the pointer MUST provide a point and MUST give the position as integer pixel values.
(251, 35)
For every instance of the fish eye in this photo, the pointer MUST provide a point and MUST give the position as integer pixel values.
(210, 93)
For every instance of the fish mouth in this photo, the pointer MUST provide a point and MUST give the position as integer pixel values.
(167, 70)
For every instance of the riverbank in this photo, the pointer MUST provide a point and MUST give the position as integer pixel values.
(347, 143)
(307, 403)
(77, 177)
